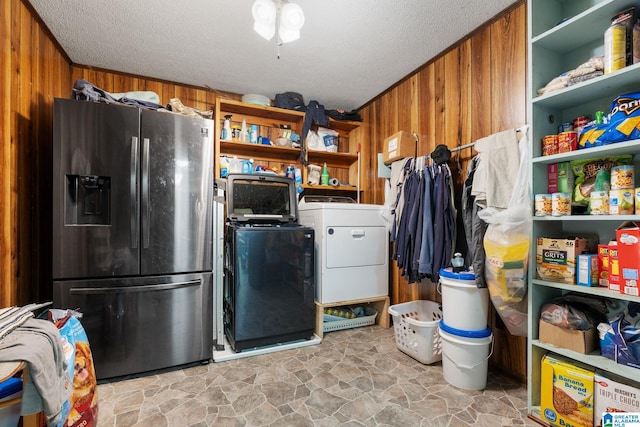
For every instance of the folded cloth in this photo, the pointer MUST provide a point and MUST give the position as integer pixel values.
(11, 318)
(38, 343)
(497, 169)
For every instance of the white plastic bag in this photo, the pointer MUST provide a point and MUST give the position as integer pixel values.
(506, 245)
(314, 142)
(329, 139)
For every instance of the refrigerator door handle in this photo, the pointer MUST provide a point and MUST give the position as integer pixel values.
(145, 193)
(131, 289)
(133, 183)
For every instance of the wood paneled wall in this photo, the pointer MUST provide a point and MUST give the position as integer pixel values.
(33, 71)
(475, 89)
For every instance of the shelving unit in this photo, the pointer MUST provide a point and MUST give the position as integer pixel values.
(380, 304)
(555, 48)
(342, 165)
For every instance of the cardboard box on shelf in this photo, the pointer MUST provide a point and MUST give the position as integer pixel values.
(566, 393)
(398, 146)
(556, 258)
(614, 267)
(603, 265)
(583, 342)
(628, 237)
(587, 270)
(611, 394)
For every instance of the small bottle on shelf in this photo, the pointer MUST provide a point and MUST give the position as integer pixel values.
(324, 176)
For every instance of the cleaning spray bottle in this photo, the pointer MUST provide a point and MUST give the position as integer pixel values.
(226, 128)
(244, 134)
(324, 176)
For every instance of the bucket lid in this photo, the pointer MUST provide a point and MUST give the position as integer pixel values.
(10, 386)
(463, 275)
(482, 333)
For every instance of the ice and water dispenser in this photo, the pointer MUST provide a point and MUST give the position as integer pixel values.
(87, 200)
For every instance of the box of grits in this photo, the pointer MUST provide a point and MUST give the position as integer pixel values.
(556, 258)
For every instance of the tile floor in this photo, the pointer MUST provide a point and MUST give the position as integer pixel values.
(355, 377)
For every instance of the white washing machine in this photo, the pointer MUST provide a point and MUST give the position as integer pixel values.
(352, 249)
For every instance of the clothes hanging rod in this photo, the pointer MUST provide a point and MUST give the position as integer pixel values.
(462, 147)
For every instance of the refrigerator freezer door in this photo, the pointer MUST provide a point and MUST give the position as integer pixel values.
(95, 189)
(176, 193)
(142, 324)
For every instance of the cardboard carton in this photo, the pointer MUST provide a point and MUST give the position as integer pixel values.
(628, 237)
(556, 258)
(614, 267)
(398, 146)
(583, 342)
(613, 395)
(603, 265)
(566, 393)
(587, 270)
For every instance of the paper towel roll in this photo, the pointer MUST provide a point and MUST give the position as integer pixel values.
(334, 182)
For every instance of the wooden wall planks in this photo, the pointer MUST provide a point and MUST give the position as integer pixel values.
(34, 72)
(476, 88)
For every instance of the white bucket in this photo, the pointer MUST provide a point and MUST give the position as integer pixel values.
(464, 305)
(465, 356)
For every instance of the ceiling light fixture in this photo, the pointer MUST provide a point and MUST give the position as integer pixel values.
(287, 17)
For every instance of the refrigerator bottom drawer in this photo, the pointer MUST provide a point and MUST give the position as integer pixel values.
(136, 325)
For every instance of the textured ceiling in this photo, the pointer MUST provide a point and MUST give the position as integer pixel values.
(349, 50)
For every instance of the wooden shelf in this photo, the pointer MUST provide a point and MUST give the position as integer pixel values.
(380, 304)
(270, 121)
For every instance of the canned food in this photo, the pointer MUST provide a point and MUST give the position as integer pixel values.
(542, 204)
(621, 177)
(549, 145)
(615, 48)
(637, 193)
(599, 203)
(579, 123)
(621, 202)
(560, 204)
(567, 141)
(565, 127)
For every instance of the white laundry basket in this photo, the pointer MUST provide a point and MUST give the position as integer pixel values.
(415, 325)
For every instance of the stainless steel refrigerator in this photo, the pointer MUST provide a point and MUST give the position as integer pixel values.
(132, 233)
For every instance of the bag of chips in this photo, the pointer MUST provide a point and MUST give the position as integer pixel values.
(624, 119)
(586, 173)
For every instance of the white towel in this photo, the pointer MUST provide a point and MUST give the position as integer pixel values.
(38, 343)
(497, 169)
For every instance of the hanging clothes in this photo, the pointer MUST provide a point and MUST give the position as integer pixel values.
(393, 201)
(474, 226)
(496, 173)
(425, 259)
(425, 235)
(444, 221)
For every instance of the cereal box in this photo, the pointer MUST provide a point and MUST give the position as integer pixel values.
(614, 267)
(552, 178)
(603, 265)
(566, 393)
(556, 258)
(628, 237)
(587, 270)
(612, 395)
(560, 178)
